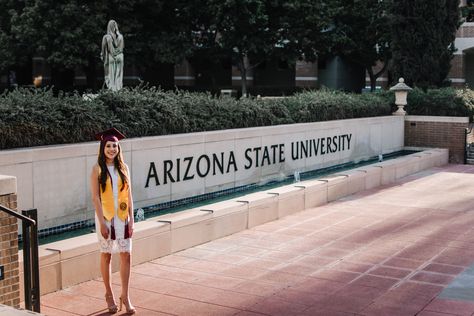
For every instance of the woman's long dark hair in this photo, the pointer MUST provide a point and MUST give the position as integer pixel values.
(118, 163)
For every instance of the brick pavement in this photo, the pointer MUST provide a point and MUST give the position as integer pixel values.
(404, 249)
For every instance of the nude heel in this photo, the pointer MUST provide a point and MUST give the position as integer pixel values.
(112, 307)
(128, 307)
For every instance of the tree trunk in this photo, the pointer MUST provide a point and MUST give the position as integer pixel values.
(373, 80)
(91, 74)
(373, 77)
(243, 73)
(62, 79)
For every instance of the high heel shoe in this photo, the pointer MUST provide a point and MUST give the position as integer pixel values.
(111, 306)
(128, 307)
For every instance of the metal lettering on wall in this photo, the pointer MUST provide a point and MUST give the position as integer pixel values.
(192, 167)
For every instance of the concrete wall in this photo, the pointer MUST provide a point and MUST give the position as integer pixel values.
(9, 270)
(55, 179)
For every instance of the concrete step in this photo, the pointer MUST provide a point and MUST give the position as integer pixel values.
(10, 311)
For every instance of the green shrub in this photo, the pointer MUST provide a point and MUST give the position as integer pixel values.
(437, 102)
(32, 117)
(324, 105)
(144, 112)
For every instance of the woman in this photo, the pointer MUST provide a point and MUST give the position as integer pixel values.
(112, 56)
(113, 203)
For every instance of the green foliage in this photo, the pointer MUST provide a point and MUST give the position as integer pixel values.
(31, 117)
(422, 34)
(254, 30)
(68, 34)
(441, 102)
(362, 34)
(13, 51)
(36, 117)
(144, 112)
(327, 105)
(65, 32)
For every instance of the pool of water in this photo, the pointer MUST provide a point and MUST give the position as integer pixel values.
(74, 230)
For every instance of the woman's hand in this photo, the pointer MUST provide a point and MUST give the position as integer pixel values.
(131, 225)
(104, 230)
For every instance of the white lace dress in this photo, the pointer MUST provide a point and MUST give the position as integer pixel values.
(119, 244)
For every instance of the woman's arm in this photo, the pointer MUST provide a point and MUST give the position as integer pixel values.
(95, 196)
(131, 219)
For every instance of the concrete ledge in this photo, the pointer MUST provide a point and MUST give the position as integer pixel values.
(426, 161)
(337, 186)
(7, 185)
(443, 119)
(188, 228)
(262, 208)
(50, 271)
(441, 156)
(388, 172)
(316, 193)
(68, 262)
(409, 165)
(182, 219)
(228, 217)
(290, 199)
(373, 176)
(355, 180)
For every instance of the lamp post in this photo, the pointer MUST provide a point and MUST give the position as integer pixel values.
(401, 92)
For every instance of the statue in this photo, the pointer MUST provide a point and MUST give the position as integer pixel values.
(112, 56)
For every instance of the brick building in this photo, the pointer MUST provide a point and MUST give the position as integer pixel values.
(462, 70)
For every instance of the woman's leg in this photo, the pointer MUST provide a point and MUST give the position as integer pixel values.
(125, 272)
(105, 270)
(125, 262)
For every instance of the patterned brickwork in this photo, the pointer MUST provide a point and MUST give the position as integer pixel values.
(306, 74)
(457, 68)
(437, 134)
(466, 30)
(306, 69)
(10, 285)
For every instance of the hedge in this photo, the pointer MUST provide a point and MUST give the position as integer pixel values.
(441, 102)
(33, 117)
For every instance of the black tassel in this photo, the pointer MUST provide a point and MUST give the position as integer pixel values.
(112, 228)
(127, 233)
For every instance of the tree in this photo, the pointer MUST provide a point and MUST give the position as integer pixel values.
(362, 34)
(158, 35)
(253, 30)
(66, 33)
(422, 34)
(13, 53)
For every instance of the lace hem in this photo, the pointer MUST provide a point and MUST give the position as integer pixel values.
(115, 246)
(120, 244)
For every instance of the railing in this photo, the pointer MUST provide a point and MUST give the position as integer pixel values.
(29, 219)
(467, 131)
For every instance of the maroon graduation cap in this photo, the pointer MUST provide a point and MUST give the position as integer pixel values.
(111, 134)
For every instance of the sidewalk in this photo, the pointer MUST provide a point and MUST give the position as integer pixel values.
(404, 249)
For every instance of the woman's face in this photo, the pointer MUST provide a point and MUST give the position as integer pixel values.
(111, 150)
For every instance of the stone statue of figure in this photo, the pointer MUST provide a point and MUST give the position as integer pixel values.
(112, 56)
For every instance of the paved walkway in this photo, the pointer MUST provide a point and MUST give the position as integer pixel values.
(404, 249)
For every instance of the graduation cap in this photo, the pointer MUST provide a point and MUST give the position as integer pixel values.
(111, 134)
